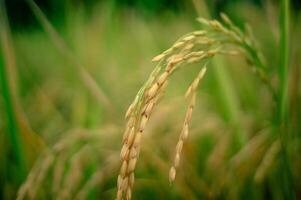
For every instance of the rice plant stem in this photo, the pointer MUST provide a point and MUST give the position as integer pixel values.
(284, 60)
(230, 103)
(287, 179)
(12, 124)
(11, 118)
(61, 46)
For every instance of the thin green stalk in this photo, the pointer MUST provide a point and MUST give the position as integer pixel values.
(12, 127)
(284, 60)
(286, 175)
(12, 124)
(230, 103)
(61, 46)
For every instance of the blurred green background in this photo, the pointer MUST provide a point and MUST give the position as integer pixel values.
(69, 73)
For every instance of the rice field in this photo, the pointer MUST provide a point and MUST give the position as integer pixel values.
(150, 99)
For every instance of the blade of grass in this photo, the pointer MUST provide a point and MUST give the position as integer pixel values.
(12, 124)
(25, 143)
(286, 175)
(284, 60)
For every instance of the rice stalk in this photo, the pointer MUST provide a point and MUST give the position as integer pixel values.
(284, 59)
(25, 144)
(13, 133)
(267, 161)
(58, 173)
(74, 174)
(283, 108)
(197, 46)
(53, 162)
(43, 171)
(95, 178)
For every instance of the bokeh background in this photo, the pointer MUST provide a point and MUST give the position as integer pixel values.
(70, 69)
